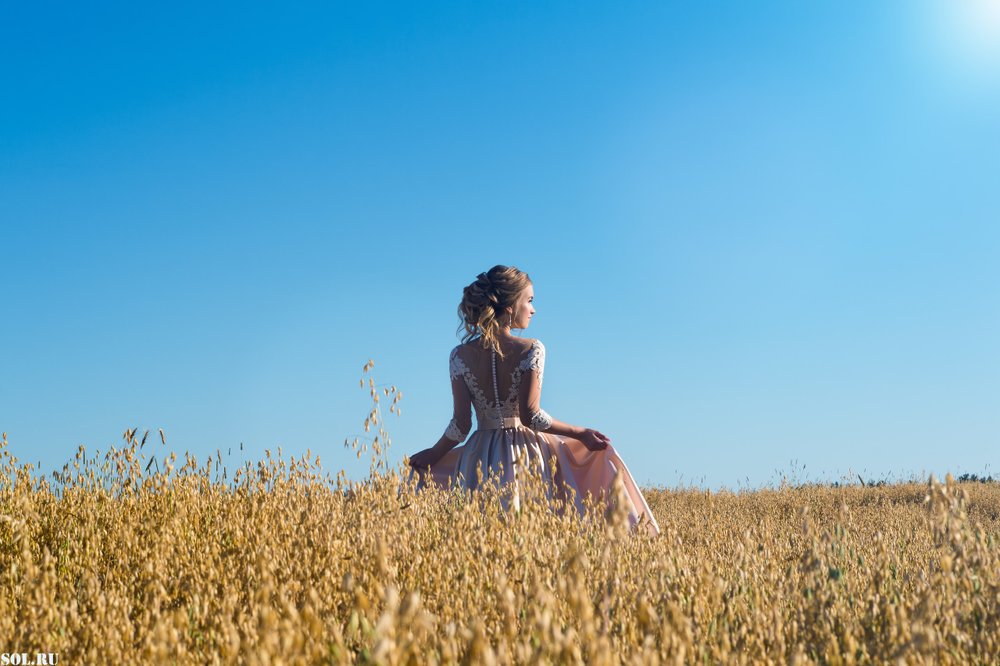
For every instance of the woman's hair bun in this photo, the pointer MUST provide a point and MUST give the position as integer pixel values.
(484, 301)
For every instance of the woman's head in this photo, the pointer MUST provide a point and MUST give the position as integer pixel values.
(499, 299)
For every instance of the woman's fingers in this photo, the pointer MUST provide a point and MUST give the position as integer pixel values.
(602, 438)
(422, 458)
(596, 441)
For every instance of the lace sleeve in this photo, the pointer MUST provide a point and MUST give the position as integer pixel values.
(462, 399)
(454, 432)
(454, 364)
(536, 361)
(537, 418)
(540, 420)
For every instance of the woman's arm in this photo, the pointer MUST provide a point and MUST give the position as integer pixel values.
(461, 416)
(592, 439)
(534, 417)
(562, 428)
(531, 412)
(458, 428)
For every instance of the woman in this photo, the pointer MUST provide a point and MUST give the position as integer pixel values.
(501, 376)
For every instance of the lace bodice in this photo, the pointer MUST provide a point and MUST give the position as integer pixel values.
(496, 402)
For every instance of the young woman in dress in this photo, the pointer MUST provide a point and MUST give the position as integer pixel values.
(500, 376)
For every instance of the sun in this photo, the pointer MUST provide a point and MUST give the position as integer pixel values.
(971, 31)
(956, 45)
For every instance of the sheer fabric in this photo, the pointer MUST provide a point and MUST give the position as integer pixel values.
(505, 394)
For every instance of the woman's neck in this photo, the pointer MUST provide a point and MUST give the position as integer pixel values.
(505, 334)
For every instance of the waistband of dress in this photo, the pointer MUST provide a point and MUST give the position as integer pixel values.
(498, 424)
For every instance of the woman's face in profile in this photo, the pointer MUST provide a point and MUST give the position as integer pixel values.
(524, 309)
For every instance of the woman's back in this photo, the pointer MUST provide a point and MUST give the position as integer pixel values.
(502, 382)
(475, 366)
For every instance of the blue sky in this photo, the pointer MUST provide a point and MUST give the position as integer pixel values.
(758, 232)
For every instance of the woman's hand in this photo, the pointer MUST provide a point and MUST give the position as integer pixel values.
(594, 440)
(424, 459)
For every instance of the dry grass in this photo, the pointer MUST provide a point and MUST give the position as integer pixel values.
(132, 560)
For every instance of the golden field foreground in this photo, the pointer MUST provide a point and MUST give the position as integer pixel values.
(284, 565)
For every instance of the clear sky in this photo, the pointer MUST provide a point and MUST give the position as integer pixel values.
(758, 232)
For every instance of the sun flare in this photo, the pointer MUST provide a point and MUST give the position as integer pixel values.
(971, 30)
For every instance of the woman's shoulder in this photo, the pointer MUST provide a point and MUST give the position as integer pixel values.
(455, 362)
(533, 352)
(534, 344)
(528, 344)
(463, 349)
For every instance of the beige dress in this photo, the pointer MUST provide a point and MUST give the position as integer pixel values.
(502, 447)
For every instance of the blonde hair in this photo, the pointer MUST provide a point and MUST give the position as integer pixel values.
(484, 302)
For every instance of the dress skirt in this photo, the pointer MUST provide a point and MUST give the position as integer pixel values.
(501, 454)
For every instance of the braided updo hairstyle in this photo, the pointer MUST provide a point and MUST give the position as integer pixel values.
(483, 309)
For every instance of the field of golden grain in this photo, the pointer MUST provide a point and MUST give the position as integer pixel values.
(131, 559)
